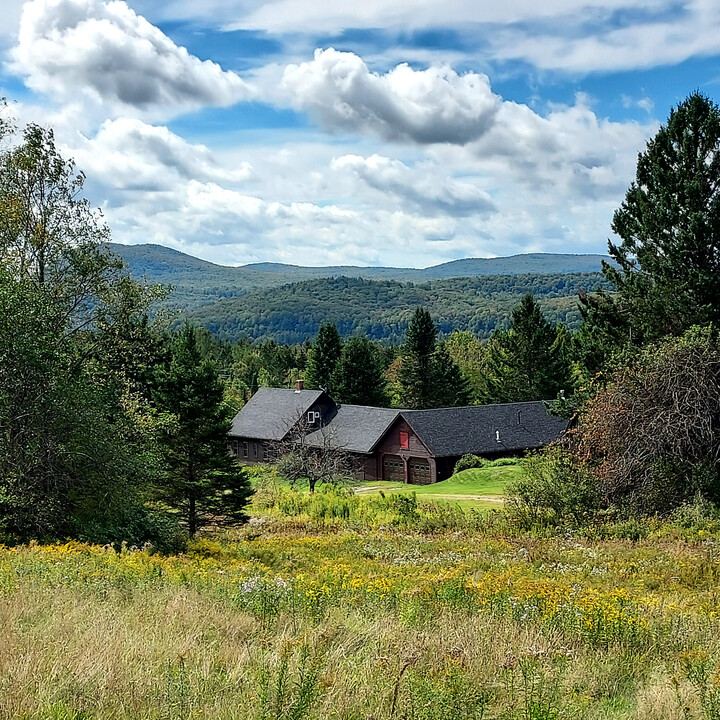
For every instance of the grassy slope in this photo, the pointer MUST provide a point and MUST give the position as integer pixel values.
(476, 484)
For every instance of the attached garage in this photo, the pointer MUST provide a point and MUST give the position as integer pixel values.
(393, 468)
(419, 471)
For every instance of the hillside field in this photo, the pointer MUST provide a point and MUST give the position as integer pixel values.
(351, 607)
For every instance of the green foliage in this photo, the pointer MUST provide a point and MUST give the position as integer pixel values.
(204, 484)
(75, 455)
(555, 488)
(528, 361)
(469, 461)
(417, 371)
(444, 693)
(323, 358)
(428, 376)
(378, 309)
(668, 261)
(359, 378)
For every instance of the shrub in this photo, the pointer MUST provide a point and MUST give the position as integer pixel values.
(556, 488)
(468, 461)
(651, 438)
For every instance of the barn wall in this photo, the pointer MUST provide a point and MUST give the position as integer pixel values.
(390, 445)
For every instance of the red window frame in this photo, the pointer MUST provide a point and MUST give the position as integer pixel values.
(404, 440)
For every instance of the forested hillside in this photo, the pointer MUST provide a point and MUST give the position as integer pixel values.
(381, 309)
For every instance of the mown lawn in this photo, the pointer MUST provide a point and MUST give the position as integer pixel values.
(365, 608)
(480, 488)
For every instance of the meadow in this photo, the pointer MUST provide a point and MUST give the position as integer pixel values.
(348, 606)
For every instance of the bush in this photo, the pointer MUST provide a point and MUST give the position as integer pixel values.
(556, 488)
(466, 462)
(651, 437)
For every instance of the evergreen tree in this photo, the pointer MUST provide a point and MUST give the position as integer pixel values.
(417, 372)
(359, 378)
(204, 485)
(323, 358)
(451, 387)
(526, 362)
(668, 261)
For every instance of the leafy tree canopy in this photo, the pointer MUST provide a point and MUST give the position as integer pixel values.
(668, 261)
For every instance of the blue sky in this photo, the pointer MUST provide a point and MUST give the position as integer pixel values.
(403, 132)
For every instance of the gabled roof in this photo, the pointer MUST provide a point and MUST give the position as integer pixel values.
(271, 413)
(475, 429)
(355, 428)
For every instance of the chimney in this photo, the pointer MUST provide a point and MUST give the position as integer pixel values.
(299, 385)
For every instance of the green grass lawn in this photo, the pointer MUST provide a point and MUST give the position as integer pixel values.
(477, 487)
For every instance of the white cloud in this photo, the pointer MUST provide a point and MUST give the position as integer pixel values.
(426, 106)
(668, 35)
(424, 189)
(106, 53)
(319, 16)
(129, 155)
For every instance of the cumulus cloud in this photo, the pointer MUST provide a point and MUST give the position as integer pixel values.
(435, 105)
(105, 52)
(422, 188)
(130, 155)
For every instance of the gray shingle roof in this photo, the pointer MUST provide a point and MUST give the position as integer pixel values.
(272, 412)
(456, 431)
(355, 428)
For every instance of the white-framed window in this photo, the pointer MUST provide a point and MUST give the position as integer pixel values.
(313, 417)
(245, 449)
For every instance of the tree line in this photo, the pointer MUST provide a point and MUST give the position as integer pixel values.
(111, 428)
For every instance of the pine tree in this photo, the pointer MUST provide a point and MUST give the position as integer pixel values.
(359, 378)
(204, 484)
(323, 358)
(417, 369)
(451, 388)
(526, 362)
(668, 261)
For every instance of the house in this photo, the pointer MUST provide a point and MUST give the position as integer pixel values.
(411, 446)
(272, 416)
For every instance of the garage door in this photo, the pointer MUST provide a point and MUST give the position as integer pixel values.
(393, 469)
(419, 471)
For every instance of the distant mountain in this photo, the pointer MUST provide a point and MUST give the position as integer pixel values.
(287, 303)
(161, 264)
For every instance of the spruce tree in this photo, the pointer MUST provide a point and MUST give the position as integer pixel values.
(323, 358)
(417, 372)
(204, 483)
(667, 271)
(359, 378)
(525, 362)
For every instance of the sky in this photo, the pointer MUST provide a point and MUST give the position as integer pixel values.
(381, 132)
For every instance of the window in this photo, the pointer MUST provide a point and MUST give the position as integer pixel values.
(255, 450)
(312, 417)
(404, 440)
(245, 449)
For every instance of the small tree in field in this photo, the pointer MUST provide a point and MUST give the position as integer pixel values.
(319, 463)
(204, 484)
